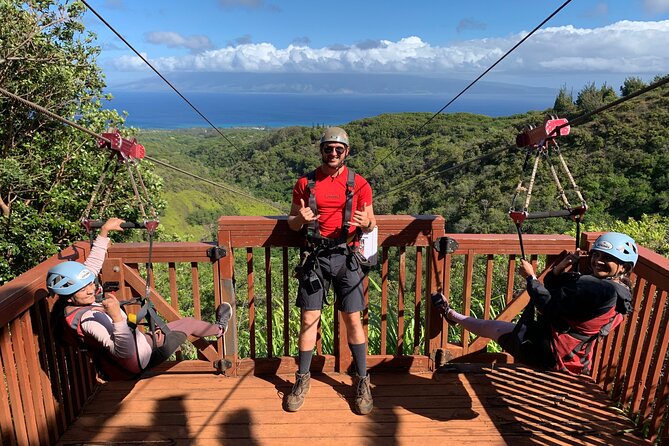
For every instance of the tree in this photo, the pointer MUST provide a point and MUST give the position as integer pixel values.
(590, 98)
(564, 102)
(631, 85)
(650, 231)
(48, 170)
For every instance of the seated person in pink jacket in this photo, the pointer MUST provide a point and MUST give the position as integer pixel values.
(119, 351)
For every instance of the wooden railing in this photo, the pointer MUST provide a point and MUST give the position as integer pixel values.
(631, 364)
(415, 244)
(46, 385)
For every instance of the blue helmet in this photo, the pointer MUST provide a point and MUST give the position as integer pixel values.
(618, 245)
(68, 277)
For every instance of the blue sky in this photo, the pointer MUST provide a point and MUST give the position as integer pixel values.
(588, 41)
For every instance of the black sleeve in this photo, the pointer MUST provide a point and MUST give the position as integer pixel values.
(570, 296)
(539, 294)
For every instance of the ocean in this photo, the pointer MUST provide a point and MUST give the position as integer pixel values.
(166, 110)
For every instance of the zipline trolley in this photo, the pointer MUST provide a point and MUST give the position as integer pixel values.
(540, 142)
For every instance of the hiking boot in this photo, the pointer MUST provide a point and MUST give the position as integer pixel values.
(223, 315)
(300, 389)
(363, 395)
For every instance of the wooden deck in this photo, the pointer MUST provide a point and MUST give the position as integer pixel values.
(460, 404)
(50, 395)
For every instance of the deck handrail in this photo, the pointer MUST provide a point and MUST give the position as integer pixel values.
(46, 385)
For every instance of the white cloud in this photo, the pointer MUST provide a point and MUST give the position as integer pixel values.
(623, 47)
(130, 63)
(656, 6)
(172, 39)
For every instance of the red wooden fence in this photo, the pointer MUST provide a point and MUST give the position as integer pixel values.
(46, 385)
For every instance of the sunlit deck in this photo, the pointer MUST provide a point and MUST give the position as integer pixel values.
(459, 404)
(432, 383)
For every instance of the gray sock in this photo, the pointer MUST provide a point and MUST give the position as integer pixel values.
(359, 352)
(305, 361)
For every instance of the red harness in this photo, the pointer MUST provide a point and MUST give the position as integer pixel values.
(573, 349)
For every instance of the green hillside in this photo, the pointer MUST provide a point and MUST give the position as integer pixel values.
(194, 205)
(620, 160)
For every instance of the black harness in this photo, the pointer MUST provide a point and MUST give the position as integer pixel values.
(316, 245)
(314, 239)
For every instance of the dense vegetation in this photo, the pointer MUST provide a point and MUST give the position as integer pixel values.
(48, 170)
(620, 160)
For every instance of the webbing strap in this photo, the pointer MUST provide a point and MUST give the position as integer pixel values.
(313, 228)
(103, 188)
(348, 209)
(79, 313)
(102, 358)
(519, 216)
(588, 341)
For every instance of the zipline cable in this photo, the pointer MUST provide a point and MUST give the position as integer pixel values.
(158, 73)
(162, 163)
(581, 119)
(401, 143)
(419, 178)
(73, 124)
(41, 109)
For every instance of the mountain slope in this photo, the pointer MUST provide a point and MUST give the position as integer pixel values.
(414, 162)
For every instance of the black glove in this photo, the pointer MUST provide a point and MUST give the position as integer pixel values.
(439, 303)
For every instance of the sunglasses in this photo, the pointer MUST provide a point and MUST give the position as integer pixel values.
(330, 149)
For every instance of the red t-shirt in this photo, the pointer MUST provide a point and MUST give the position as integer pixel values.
(331, 199)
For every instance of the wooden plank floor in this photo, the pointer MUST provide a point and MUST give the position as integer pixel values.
(461, 404)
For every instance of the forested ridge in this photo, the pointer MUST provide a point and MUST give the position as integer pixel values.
(620, 160)
(49, 170)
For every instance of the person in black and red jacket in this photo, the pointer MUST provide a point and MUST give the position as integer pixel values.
(574, 309)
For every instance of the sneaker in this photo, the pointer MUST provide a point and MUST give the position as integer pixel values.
(300, 389)
(441, 304)
(223, 315)
(363, 395)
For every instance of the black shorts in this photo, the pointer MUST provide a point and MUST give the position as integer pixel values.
(530, 345)
(335, 267)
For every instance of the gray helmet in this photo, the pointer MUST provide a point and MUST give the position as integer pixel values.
(335, 134)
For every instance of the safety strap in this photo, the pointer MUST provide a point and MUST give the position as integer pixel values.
(314, 237)
(588, 341)
(103, 360)
(147, 311)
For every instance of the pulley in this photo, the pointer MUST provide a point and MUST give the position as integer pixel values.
(540, 142)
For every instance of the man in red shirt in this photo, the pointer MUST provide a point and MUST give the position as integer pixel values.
(335, 205)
